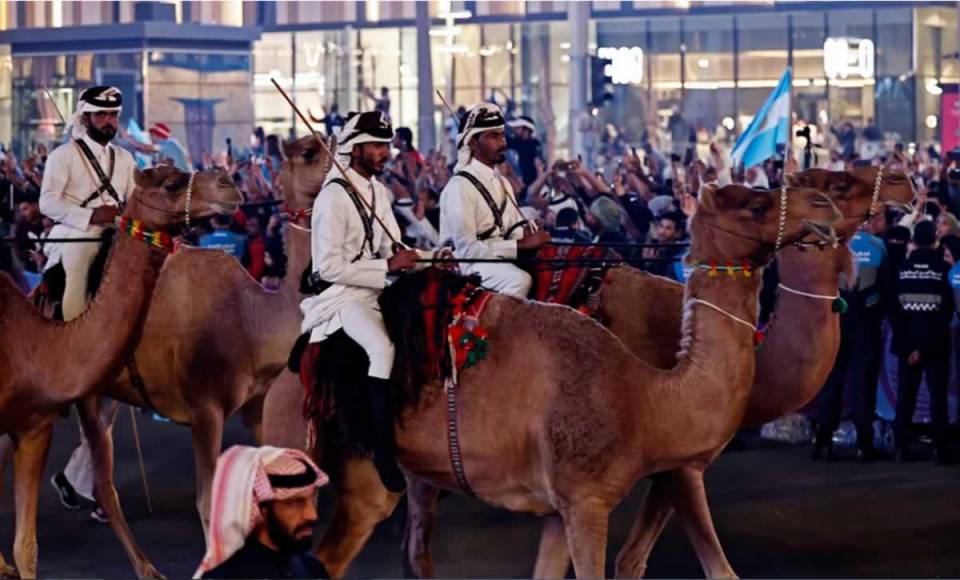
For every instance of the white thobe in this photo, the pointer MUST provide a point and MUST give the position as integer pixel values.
(68, 180)
(464, 215)
(337, 240)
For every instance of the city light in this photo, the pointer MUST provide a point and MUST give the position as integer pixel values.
(728, 123)
(626, 64)
(844, 57)
(932, 121)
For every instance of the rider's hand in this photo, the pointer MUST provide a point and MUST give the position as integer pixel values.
(104, 215)
(402, 261)
(532, 241)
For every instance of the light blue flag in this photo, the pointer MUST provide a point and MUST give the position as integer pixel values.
(771, 127)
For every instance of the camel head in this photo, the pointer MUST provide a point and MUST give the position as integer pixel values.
(738, 224)
(305, 167)
(162, 194)
(852, 192)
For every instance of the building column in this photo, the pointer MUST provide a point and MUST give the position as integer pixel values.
(578, 16)
(426, 132)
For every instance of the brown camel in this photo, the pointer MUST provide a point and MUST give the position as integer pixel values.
(805, 338)
(46, 365)
(213, 340)
(574, 437)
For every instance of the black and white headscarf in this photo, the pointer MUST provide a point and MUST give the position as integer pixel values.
(92, 100)
(359, 128)
(480, 118)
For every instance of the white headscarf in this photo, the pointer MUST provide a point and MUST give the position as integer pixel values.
(92, 100)
(480, 118)
(369, 127)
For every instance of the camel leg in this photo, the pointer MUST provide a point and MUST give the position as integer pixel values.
(421, 511)
(252, 413)
(689, 498)
(362, 503)
(553, 556)
(654, 514)
(101, 449)
(28, 463)
(586, 523)
(206, 427)
(6, 455)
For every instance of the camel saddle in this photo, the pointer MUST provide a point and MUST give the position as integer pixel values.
(575, 285)
(47, 297)
(431, 316)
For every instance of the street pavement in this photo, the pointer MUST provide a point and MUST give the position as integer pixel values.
(778, 515)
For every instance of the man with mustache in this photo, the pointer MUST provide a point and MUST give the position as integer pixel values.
(478, 210)
(85, 183)
(264, 510)
(353, 228)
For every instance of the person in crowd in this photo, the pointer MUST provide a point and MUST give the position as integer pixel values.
(567, 227)
(224, 238)
(167, 149)
(861, 347)
(847, 137)
(381, 103)
(408, 160)
(264, 509)
(255, 257)
(522, 140)
(668, 229)
(921, 339)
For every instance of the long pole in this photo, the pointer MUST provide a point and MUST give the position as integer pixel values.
(336, 164)
(55, 107)
(143, 469)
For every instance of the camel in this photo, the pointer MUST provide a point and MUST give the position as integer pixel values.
(806, 334)
(213, 340)
(575, 437)
(46, 365)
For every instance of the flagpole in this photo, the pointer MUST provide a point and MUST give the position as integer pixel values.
(788, 152)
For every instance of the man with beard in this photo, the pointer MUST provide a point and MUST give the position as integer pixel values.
(352, 257)
(478, 211)
(85, 183)
(264, 510)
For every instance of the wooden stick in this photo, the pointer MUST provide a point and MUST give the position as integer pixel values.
(143, 469)
(336, 163)
(55, 107)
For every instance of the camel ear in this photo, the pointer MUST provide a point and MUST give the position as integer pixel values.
(813, 178)
(284, 149)
(708, 196)
(142, 178)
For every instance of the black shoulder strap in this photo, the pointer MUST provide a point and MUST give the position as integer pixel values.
(364, 216)
(485, 194)
(105, 184)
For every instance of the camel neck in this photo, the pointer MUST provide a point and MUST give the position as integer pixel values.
(714, 372)
(297, 244)
(92, 347)
(803, 336)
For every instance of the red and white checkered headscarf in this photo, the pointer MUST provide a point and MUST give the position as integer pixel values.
(245, 478)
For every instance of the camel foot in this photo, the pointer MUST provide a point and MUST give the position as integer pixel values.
(146, 570)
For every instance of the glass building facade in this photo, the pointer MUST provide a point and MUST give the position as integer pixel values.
(713, 61)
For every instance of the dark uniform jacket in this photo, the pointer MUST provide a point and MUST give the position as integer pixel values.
(924, 305)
